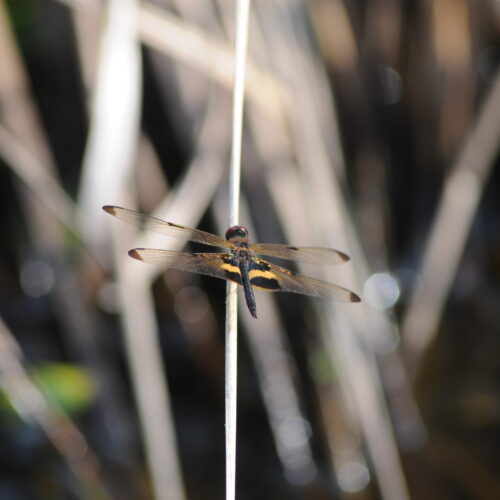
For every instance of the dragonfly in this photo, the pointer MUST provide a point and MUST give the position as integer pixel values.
(240, 262)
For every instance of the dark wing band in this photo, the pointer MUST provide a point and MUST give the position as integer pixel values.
(218, 265)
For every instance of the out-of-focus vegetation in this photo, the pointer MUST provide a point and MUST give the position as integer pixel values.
(372, 127)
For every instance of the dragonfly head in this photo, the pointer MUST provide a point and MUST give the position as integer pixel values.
(237, 233)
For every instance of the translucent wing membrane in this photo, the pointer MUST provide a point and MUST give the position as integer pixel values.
(218, 265)
(274, 278)
(144, 221)
(312, 255)
(262, 274)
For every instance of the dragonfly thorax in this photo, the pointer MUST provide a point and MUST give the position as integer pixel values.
(242, 253)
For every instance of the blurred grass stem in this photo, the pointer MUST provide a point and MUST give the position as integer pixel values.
(37, 178)
(34, 406)
(460, 199)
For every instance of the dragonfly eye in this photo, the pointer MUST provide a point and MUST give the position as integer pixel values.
(237, 232)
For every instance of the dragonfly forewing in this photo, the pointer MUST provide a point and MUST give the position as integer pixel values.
(148, 222)
(311, 255)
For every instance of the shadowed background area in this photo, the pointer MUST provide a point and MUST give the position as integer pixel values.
(371, 127)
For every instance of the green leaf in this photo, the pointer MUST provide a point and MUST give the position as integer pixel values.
(69, 385)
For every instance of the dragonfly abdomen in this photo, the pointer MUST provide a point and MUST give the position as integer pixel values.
(231, 269)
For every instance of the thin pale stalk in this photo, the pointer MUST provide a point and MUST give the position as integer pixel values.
(243, 7)
(200, 50)
(274, 367)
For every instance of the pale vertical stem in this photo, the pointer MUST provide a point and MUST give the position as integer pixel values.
(238, 98)
(243, 7)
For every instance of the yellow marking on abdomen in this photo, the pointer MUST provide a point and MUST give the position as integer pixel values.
(230, 268)
(257, 273)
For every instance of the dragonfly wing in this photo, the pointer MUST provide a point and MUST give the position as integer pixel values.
(312, 255)
(218, 265)
(274, 278)
(146, 222)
